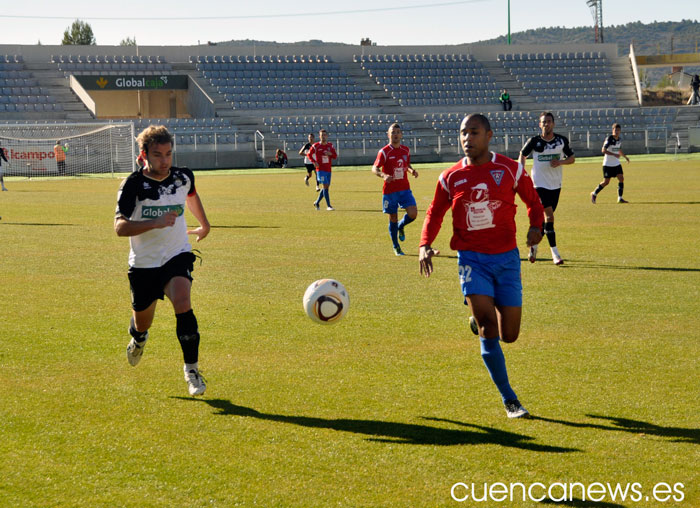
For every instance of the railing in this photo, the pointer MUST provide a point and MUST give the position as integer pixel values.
(206, 138)
(591, 139)
(260, 135)
(366, 144)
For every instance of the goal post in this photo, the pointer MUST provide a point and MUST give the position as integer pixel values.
(86, 149)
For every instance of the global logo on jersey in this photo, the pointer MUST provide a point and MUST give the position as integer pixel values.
(548, 157)
(153, 212)
(497, 175)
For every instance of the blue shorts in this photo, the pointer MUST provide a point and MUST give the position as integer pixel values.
(323, 177)
(494, 275)
(391, 202)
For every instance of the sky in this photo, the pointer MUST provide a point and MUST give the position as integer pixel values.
(392, 22)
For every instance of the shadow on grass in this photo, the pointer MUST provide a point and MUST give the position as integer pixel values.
(33, 224)
(245, 227)
(681, 435)
(393, 432)
(666, 203)
(583, 264)
(376, 210)
(578, 503)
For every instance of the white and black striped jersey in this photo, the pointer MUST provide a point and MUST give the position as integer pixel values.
(614, 146)
(543, 174)
(142, 198)
(306, 149)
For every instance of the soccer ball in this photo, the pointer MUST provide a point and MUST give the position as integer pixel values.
(326, 301)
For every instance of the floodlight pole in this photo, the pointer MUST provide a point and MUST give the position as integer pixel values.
(509, 22)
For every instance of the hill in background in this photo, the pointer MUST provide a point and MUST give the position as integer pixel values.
(648, 38)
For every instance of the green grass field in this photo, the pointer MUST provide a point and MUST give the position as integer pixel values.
(390, 407)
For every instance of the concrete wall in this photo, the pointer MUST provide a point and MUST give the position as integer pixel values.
(127, 104)
(198, 102)
(694, 139)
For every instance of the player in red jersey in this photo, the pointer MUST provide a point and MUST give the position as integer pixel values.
(141, 160)
(481, 191)
(393, 164)
(321, 154)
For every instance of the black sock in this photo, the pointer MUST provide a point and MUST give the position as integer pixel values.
(620, 189)
(138, 336)
(551, 235)
(598, 189)
(188, 335)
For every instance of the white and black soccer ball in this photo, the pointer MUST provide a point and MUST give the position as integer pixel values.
(326, 301)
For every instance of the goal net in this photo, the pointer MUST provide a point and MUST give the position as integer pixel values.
(82, 149)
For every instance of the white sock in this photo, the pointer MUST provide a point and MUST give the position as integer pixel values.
(192, 366)
(555, 252)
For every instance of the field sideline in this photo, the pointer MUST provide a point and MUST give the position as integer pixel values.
(390, 407)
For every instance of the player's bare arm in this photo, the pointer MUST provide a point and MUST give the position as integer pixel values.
(623, 155)
(413, 172)
(194, 204)
(381, 174)
(126, 227)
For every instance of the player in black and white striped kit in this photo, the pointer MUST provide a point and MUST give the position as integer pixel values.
(151, 212)
(310, 168)
(612, 167)
(550, 152)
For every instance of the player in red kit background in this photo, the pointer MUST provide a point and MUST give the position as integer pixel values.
(393, 164)
(321, 154)
(481, 191)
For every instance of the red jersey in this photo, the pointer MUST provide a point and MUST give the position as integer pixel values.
(482, 199)
(321, 155)
(394, 162)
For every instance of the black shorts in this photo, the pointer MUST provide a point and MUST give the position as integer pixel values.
(147, 284)
(612, 171)
(309, 168)
(549, 197)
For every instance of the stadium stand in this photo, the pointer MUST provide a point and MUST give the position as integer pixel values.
(647, 128)
(276, 82)
(193, 133)
(582, 77)
(361, 132)
(20, 91)
(283, 97)
(432, 80)
(111, 64)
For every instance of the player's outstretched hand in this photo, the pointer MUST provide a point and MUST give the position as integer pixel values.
(425, 259)
(534, 236)
(166, 220)
(415, 174)
(201, 232)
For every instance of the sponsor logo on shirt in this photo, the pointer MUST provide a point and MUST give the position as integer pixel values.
(460, 182)
(548, 157)
(153, 212)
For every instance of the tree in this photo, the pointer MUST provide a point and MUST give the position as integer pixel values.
(666, 82)
(644, 79)
(79, 33)
(128, 42)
